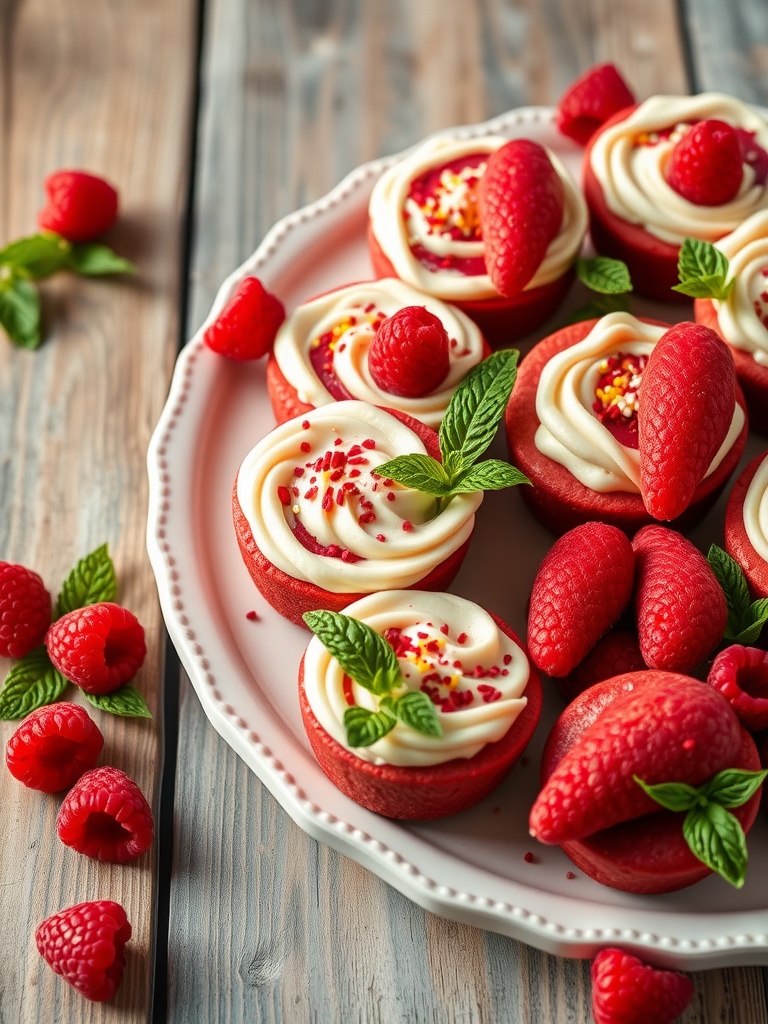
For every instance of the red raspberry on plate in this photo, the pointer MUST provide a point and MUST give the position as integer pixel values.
(85, 944)
(81, 206)
(247, 325)
(105, 815)
(587, 104)
(25, 610)
(706, 165)
(627, 991)
(53, 747)
(741, 675)
(409, 353)
(99, 647)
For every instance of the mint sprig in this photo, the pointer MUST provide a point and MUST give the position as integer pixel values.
(468, 428)
(91, 581)
(367, 658)
(19, 311)
(713, 834)
(31, 683)
(703, 271)
(126, 702)
(610, 280)
(746, 618)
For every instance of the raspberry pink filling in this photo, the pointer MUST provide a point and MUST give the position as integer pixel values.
(322, 348)
(617, 395)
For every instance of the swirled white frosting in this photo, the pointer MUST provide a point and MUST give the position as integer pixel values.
(755, 510)
(630, 159)
(571, 434)
(397, 224)
(475, 674)
(346, 507)
(351, 314)
(743, 317)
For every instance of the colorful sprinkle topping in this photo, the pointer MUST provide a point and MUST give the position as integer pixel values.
(761, 302)
(617, 395)
(322, 347)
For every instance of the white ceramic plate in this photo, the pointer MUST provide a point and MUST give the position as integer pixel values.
(470, 867)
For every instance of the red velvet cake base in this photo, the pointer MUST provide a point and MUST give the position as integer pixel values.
(502, 320)
(429, 792)
(558, 500)
(737, 543)
(752, 377)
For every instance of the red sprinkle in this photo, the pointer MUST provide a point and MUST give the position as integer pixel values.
(299, 471)
(252, 616)
(461, 638)
(284, 495)
(305, 425)
(305, 446)
(369, 443)
(569, 875)
(528, 857)
(381, 537)
(407, 525)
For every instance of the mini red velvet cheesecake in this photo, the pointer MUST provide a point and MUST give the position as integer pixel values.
(425, 228)
(322, 352)
(469, 670)
(746, 524)
(318, 528)
(572, 427)
(650, 183)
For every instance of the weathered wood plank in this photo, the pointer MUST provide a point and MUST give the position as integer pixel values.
(106, 87)
(729, 48)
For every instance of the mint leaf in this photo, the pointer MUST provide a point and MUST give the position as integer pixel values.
(31, 683)
(419, 471)
(95, 260)
(91, 581)
(732, 787)
(715, 836)
(126, 702)
(605, 275)
(752, 622)
(675, 796)
(20, 312)
(364, 655)
(364, 727)
(36, 256)
(416, 710)
(477, 405)
(734, 585)
(702, 270)
(490, 475)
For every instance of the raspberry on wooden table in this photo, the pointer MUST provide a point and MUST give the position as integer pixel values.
(409, 353)
(246, 328)
(99, 647)
(706, 165)
(53, 747)
(85, 944)
(25, 610)
(627, 991)
(588, 103)
(81, 206)
(105, 815)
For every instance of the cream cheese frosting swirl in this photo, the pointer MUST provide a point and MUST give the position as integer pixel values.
(629, 159)
(570, 434)
(447, 646)
(743, 316)
(318, 511)
(346, 320)
(398, 223)
(755, 510)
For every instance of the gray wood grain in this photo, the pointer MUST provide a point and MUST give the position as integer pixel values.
(266, 924)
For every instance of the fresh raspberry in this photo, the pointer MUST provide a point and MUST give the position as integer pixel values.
(105, 815)
(409, 353)
(583, 585)
(687, 399)
(666, 728)
(25, 610)
(521, 199)
(613, 655)
(81, 206)
(247, 326)
(741, 675)
(587, 104)
(706, 165)
(53, 747)
(85, 944)
(98, 647)
(627, 991)
(679, 604)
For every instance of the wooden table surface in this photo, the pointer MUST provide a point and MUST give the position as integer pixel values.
(215, 119)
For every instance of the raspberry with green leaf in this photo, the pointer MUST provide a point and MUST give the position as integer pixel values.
(409, 353)
(81, 206)
(25, 610)
(99, 647)
(53, 747)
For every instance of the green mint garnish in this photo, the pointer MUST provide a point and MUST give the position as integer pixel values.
(604, 275)
(746, 618)
(126, 702)
(31, 683)
(370, 661)
(468, 428)
(94, 260)
(91, 581)
(713, 834)
(37, 256)
(703, 271)
(19, 310)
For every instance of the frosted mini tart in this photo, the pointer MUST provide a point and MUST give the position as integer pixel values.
(746, 524)
(424, 228)
(470, 668)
